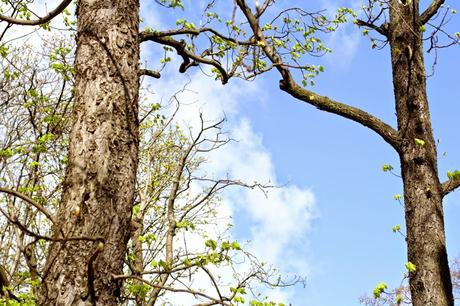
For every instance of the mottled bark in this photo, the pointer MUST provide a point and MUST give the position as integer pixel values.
(99, 183)
(430, 284)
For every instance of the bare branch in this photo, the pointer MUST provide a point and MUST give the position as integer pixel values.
(431, 11)
(40, 20)
(261, 10)
(151, 73)
(196, 32)
(380, 29)
(213, 280)
(449, 186)
(324, 103)
(14, 220)
(30, 201)
(181, 49)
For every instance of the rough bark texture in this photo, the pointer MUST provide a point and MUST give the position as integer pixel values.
(99, 184)
(430, 284)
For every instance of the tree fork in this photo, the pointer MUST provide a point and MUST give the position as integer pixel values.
(430, 284)
(99, 186)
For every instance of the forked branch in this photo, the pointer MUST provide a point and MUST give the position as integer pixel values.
(40, 20)
(189, 58)
(431, 10)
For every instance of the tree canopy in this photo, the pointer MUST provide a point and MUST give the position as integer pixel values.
(102, 224)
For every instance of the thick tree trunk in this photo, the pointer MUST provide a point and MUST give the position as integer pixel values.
(430, 284)
(99, 184)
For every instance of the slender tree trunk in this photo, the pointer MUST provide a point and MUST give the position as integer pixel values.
(430, 284)
(137, 228)
(99, 183)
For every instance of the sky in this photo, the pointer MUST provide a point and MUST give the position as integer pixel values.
(332, 219)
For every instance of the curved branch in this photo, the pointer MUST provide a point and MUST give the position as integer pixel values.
(181, 49)
(449, 186)
(324, 103)
(431, 10)
(40, 20)
(14, 220)
(196, 32)
(30, 201)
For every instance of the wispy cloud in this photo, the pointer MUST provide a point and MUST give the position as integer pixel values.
(345, 41)
(277, 223)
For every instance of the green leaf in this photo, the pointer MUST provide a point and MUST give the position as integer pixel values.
(236, 246)
(387, 168)
(396, 228)
(379, 289)
(187, 262)
(453, 175)
(3, 51)
(397, 197)
(410, 267)
(211, 244)
(419, 142)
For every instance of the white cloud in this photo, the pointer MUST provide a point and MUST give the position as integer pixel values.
(277, 222)
(279, 219)
(344, 44)
(345, 41)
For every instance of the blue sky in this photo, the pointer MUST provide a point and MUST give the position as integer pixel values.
(332, 167)
(332, 219)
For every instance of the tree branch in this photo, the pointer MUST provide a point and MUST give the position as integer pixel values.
(449, 186)
(193, 292)
(40, 20)
(30, 201)
(151, 73)
(14, 220)
(181, 49)
(324, 103)
(431, 11)
(196, 32)
(380, 29)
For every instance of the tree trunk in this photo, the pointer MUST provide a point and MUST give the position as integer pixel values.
(430, 284)
(99, 184)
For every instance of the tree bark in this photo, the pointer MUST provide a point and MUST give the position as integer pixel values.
(103, 152)
(430, 284)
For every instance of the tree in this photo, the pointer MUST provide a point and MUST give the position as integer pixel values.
(176, 235)
(401, 295)
(430, 280)
(91, 227)
(275, 44)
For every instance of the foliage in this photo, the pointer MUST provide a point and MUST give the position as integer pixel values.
(178, 233)
(174, 197)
